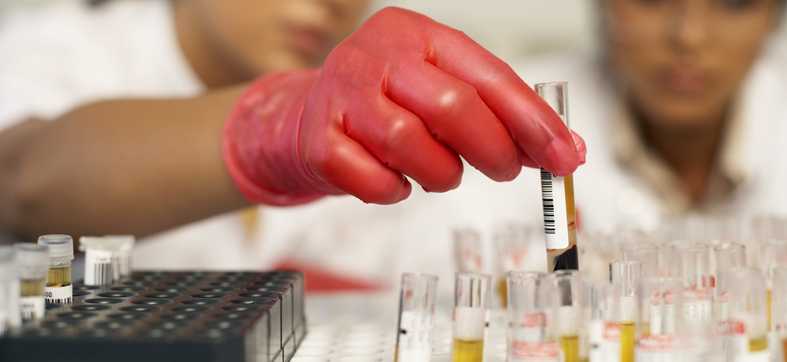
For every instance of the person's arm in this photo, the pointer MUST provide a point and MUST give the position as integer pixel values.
(122, 166)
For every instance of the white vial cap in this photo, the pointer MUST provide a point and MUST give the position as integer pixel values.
(61, 247)
(99, 243)
(32, 260)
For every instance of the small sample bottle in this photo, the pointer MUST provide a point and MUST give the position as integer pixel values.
(471, 295)
(123, 260)
(10, 317)
(531, 334)
(32, 265)
(416, 318)
(697, 279)
(100, 259)
(59, 289)
(557, 192)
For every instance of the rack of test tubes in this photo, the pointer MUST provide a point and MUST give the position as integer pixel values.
(662, 295)
(119, 315)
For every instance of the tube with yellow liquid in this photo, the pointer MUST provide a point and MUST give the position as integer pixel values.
(746, 325)
(624, 312)
(471, 296)
(557, 192)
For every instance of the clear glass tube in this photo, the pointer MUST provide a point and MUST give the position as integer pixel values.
(597, 298)
(566, 308)
(468, 253)
(531, 334)
(729, 255)
(416, 318)
(472, 292)
(742, 291)
(774, 256)
(646, 254)
(33, 264)
(779, 310)
(557, 191)
(515, 244)
(625, 276)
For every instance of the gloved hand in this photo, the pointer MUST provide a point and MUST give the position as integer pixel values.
(403, 95)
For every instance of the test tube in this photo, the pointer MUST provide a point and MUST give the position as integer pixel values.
(774, 256)
(530, 335)
(123, 259)
(567, 311)
(416, 318)
(596, 297)
(557, 192)
(468, 254)
(729, 255)
(645, 253)
(10, 317)
(697, 279)
(658, 306)
(100, 259)
(513, 242)
(779, 307)
(32, 265)
(471, 295)
(59, 289)
(746, 324)
(625, 276)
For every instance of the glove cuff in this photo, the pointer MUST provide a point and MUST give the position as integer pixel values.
(241, 166)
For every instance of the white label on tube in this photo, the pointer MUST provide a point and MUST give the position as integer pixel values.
(414, 354)
(610, 347)
(553, 196)
(32, 308)
(58, 295)
(469, 323)
(596, 340)
(98, 267)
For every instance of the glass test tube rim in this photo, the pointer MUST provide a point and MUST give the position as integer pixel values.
(37, 266)
(484, 286)
(56, 244)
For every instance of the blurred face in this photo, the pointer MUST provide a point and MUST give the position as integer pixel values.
(269, 35)
(681, 62)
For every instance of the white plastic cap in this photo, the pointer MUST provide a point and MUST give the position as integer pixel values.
(61, 247)
(99, 243)
(32, 260)
(126, 241)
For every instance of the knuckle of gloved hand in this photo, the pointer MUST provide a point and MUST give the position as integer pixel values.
(453, 101)
(400, 133)
(448, 180)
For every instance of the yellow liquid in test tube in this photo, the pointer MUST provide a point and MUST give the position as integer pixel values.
(571, 210)
(502, 292)
(769, 305)
(59, 277)
(570, 347)
(468, 351)
(628, 335)
(758, 344)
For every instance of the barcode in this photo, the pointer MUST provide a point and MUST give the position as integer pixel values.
(548, 199)
(59, 301)
(100, 274)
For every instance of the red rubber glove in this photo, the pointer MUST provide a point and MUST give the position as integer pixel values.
(403, 95)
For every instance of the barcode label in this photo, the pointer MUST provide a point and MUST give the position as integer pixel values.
(32, 308)
(98, 267)
(553, 196)
(58, 295)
